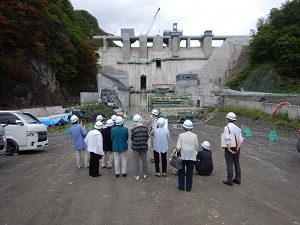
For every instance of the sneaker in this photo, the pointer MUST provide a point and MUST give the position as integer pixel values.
(109, 167)
(117, 175)
(137, 177)
(124, 174)
(103, 167)
(145, 176)
(79, 166)
(87, 166)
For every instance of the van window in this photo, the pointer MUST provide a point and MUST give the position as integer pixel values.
(29, 118)
(7, 118)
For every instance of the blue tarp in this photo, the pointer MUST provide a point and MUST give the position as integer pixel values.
(48, 121)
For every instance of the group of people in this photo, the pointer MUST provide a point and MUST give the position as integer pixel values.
(110, 144)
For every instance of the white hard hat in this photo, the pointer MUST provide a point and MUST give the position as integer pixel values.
(206, 145)
(188, 124)
(114, 117)
(99, 118)
(137, 119)
(98, 125)
(109, 123)
(74, 119)
(119, 120)
(161, 121)
(154, 112)
(231, 116)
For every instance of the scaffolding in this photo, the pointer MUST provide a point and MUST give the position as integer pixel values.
(173, 106)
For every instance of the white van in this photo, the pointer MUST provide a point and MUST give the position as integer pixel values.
(3, 142)
(23, 131)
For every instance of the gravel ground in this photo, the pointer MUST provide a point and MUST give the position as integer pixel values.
(46, 187)
(260, 127)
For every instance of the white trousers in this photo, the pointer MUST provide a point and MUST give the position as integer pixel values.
(107, 159)
(85, 157)
(123, 156)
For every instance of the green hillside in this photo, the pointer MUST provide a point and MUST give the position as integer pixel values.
(274, 53)
(47, 53)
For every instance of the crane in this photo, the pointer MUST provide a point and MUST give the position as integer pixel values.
(152, 22)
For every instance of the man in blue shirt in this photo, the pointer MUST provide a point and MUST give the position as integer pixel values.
(78, 134)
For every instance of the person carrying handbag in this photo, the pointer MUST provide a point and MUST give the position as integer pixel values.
(232, 154)
(188, 144)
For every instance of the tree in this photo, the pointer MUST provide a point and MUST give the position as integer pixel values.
(277, 40)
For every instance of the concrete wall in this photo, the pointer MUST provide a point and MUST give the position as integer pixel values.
(43, 112)
(293, 111)
(127, 64)
(88, 97)
(222, 61)
(130, 72)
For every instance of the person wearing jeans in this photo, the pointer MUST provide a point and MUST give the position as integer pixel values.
(188, 144)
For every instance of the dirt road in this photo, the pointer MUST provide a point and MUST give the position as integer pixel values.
(46, 187)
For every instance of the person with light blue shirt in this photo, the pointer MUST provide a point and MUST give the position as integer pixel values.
(78, 134)
(160, 146)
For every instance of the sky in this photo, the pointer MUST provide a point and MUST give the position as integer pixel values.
(231, 17)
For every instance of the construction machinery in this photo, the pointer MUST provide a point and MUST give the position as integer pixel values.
(152, 22)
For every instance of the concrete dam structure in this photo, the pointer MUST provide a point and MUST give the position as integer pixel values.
(166, 65)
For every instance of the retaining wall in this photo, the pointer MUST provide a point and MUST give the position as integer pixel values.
(292, 111)
(88, 97)
(44, 112)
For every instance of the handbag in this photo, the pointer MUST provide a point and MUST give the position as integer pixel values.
(232, 137)
(175, 159)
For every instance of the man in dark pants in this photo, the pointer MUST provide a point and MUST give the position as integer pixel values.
(232, 154)
(94, 142)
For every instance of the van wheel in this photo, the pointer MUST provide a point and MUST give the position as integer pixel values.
(12, 147)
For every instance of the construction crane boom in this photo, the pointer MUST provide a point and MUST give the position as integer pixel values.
(152, 22)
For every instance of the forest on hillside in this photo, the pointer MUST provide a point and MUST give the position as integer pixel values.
(274, 53)
(47, 54)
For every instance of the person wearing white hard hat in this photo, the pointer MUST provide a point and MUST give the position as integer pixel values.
(188, 144)
(99, 118)
(94, 142)
(119, 137)
(232, 154)
(108, 157)
(113, 118)
(204, 163)
(154, 115)
(78, 134)
(160, 146)
(139, 145)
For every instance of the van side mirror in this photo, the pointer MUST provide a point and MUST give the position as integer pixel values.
(19, 122)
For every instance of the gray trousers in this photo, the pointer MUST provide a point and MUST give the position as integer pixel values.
(136, 156)
(233, 159)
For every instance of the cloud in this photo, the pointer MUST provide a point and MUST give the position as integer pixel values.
(231, 17)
